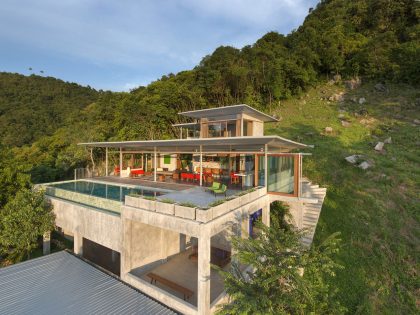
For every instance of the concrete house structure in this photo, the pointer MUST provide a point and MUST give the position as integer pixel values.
(148, 214)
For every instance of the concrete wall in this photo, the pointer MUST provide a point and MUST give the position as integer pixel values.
(296, 211)
(147, 245)
(98, 226)
(258, 128)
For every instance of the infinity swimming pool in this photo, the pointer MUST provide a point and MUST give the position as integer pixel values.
(107, 191)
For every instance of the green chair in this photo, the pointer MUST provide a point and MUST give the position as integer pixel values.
(222, 190)
(214, 187)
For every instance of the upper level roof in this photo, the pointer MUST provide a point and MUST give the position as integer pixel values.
(220, 112)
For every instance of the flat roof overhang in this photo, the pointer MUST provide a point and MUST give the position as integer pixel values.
(229, 111)
(215, 145)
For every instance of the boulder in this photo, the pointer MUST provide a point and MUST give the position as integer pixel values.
(388, 140)
(353, 159)
(353, 83)
(379, 146)
(362, 100)
(345, 123)
(354, 99)
(365, 165)
(341, 116)
(416, 121)
(328, 130)
(380, 87)
(337, 97)
(337, 78)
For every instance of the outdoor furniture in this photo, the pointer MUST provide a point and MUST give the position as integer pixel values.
(214, 187)
(161, 177)
(234, 179)
(221, 190)
(137, 172)
(170, 284)
(116, 170)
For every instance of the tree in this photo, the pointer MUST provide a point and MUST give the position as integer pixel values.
(287, 277)
(23, 220)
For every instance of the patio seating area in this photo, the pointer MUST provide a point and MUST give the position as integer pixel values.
(179, 276)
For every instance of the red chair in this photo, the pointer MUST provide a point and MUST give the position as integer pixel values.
(116, 170)
(136, 172)
(234, 179)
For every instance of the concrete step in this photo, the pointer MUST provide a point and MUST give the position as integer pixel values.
(311, 216)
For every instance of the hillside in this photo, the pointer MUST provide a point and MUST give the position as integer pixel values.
(33, 106)
(376, 210)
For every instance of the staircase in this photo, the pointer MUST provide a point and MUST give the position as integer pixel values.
(311, 211)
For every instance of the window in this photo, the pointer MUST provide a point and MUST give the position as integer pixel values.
(166, 159)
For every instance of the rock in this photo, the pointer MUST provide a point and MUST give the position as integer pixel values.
(328, 130)
(331, 82)
(354, 99)
(380, 87)
(337, 97)
(337, 78)
(353, 83)
(362, 100)
(345, 123)
(353, 159)
(341, 116)
(379, 146)
(309, 134)
(365, 165)
(417, 101)
(416, 121)
(388, 140)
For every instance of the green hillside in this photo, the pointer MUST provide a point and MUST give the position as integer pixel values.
(33, 106)
(376, 210)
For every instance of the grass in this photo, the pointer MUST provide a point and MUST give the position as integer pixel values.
(167, 200)
(377, 211)
(188, 204)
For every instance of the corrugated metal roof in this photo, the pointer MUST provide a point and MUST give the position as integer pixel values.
(61, 283)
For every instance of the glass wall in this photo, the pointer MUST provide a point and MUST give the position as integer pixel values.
(222, 129)
(281, 174)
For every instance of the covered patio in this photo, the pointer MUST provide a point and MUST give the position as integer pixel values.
(238, 162)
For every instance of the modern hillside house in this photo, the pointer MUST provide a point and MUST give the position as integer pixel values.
(158, 213)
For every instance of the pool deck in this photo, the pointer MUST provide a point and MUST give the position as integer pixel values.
(142, 182)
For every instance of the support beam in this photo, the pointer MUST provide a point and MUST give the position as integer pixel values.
(203, 285)
(201, 165)
(121, 162)
(154, 164)
(106, 162)
(46, 243)
(266, 214)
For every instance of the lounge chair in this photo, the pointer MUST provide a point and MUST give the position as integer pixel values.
(221, 190)
(214, 187)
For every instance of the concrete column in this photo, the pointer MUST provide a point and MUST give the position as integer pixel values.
(182, 242)
(46, 243)
(203, 285)
(126, 248)
(78, 243)
(266, 214)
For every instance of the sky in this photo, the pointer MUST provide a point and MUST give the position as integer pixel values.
(121, 44)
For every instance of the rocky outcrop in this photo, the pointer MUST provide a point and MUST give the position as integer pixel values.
(353, 83)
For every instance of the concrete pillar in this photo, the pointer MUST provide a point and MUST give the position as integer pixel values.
(266, 214)
(46, 243)
(182, 242)
(78, 243)
(201, 165)
(126, 248)
(203, 285)
(154, 164)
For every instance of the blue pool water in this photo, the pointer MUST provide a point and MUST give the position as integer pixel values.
(112, 192)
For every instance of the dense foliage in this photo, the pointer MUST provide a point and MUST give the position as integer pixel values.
(23, 220)
(286, 277)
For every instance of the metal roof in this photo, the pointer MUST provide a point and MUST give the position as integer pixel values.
(229, 111)
(61, 283)
(223, 144)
